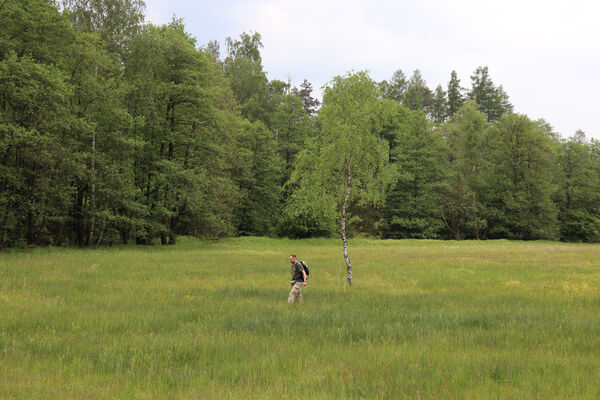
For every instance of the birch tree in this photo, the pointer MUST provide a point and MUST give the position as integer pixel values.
(347, 162)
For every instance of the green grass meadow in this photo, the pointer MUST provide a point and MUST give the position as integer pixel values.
(424, 320)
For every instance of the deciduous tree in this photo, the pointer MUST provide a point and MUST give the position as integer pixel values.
(520, 180)
(347, 160)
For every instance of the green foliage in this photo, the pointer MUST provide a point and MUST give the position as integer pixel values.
(291, 123)
(307, 214)
(243, 67)
(417, 96)
(455, 96)
(259, 181)
(188, 126)
(34, 28)
(520, 183)
(492, 101)
(465, 136)
(439, 106)
(346, 142)
(305, 94)
(413, 205)
(396, 87)
(32, 125)
(35, 120)
(117, 21)
(579, 193)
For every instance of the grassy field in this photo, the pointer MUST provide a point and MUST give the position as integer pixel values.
(424, 320)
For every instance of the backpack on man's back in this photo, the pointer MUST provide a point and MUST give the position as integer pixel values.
(305, 268)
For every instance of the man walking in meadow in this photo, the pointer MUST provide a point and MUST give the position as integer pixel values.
(299, 279)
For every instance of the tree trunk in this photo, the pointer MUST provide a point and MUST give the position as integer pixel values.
(78, 214)
(40, 232)
(5, 226)
(8, 203)
(101, 236)
(92, 191)
(173, 223)
(32, 185)
(343, 223)
(56, 240)
(477, 220)
(454, 229)
(29, 236)
(125, 234)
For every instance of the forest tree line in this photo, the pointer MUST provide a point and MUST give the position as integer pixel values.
(114, 130)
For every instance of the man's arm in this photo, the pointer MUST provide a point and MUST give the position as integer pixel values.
(304, 275)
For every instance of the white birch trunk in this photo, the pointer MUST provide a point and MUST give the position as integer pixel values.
(343, 223)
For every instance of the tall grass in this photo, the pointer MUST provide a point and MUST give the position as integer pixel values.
(425, 319)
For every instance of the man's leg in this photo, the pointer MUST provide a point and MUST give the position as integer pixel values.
(291, 295)
(295, 293)
(298, 292)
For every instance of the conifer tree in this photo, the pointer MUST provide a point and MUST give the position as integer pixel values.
(455, 96)
(492, 101)
(417, 95)
(311, 104)
(439, 106)
(396, 87)
(414, 202)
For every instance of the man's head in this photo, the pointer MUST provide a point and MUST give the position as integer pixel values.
(293, 258)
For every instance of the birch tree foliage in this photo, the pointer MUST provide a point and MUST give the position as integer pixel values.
(350, 108)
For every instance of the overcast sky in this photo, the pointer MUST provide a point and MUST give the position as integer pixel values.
(545, 53)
